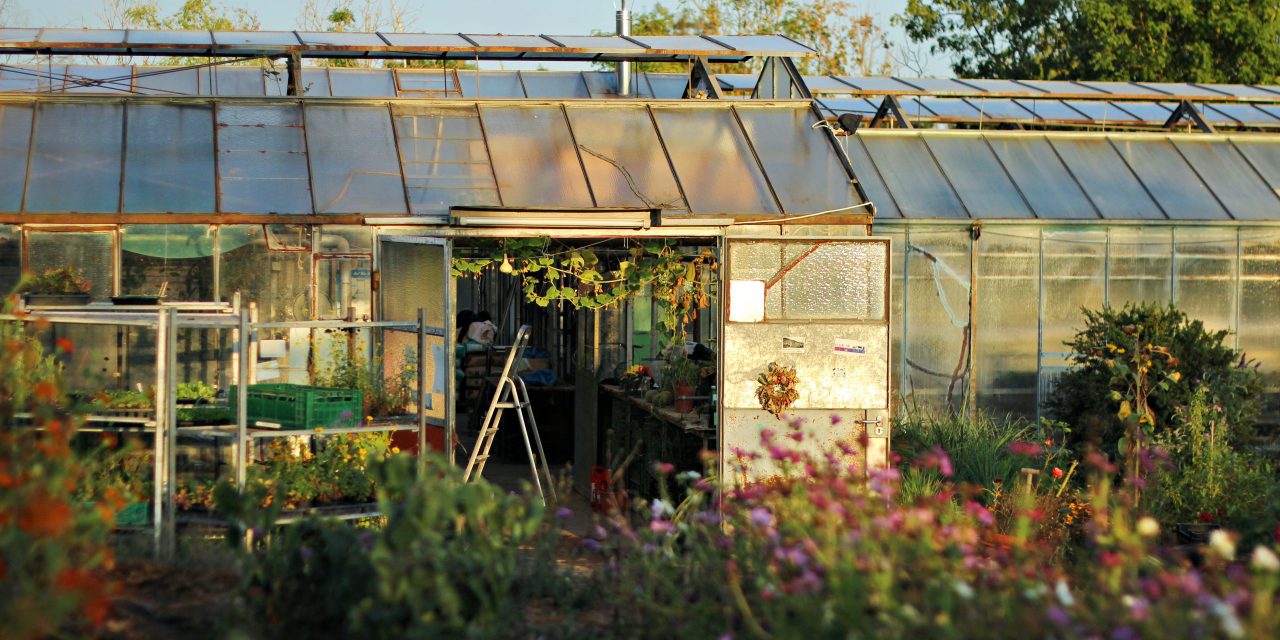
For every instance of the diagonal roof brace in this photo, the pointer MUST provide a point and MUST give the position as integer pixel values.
(702, 82)
(890, 106)
(1189, 112)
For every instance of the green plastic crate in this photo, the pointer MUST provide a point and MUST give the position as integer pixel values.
(136, 514)
(296, 406)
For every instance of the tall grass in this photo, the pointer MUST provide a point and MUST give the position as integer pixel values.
(979, 448)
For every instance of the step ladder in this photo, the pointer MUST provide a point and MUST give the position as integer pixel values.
(511, 393)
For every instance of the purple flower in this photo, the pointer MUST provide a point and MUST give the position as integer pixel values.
(661, 527)
(761, 517)
(591, 544)
(564, 513)
(1058, 616)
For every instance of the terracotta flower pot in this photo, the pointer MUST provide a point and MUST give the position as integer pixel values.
(684, 405)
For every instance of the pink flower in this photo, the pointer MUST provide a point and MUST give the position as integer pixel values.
(664, 468)
(1029, 449)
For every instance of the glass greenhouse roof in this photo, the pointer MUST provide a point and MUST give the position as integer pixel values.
(291, 156)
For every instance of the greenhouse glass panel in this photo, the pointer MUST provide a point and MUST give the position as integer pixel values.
(1205, 275)
(1074, 277)
(343, 239)
(30, 78)
(1101, 111)
(802, 166)
(1265, 158)
(1140, 266)
(175, 258)
(341, 39)
(667, 86)
(15, 146)
(169, 159)
(1042, 178)
(10, 257)
(1260, 308)
(897, 314)
(913, 177)
(1231, 177)
(315, 82)
(1170, 179)
(445, 159)
(1051, 110)
(534, 158)
(1005, 350)
(490, 84)
(435, 82)
(867, 174)
(978, 177)
(270, 39)
(354, 166)
(713, 160)
(167, 81)
(604, 84)
(1112, 185)
(362, 82)
(237, 81)
(99, 79)
(262, 159)
(91, 252)
(1153, 112)
(1001, 109)
(75, 158)
(937, 316)
(279, 281)
(555, 84)
(624, 159)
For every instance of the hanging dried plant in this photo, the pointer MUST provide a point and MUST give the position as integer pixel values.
(777, 390)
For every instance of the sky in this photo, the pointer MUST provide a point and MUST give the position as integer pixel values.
(566, 17)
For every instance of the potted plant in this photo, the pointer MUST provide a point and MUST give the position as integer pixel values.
(65, 286)
(683, 375)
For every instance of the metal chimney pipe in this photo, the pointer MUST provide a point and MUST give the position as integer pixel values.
(624, 68)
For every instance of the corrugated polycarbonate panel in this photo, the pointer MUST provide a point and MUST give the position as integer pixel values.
(1170, 179)
(169, 159)
(624, 158)
(15, 144)
(713, 161)
(534, 158)
(1111, 184)
(362, 82)
(914, 178)
(868, 175)
(799, 160)
(1042, 178)
(445, 159)
(262, 159)
(75, 158)
(976, 174)
(555, 84)
(493, 84)
(1231, 178)
(1264, 156)
(354, 166)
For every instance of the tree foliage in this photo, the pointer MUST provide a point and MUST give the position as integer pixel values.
(192, 15)
(1142, 40)
(847, 39)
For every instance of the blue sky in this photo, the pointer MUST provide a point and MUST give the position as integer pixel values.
(476, 16)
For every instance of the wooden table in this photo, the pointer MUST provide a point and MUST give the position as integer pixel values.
(661, 433)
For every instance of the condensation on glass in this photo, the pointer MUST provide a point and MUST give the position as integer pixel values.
(445, 160)
(1140, 265)
(169, 159)
(935, 331)
(354, 166)
(76, 144)
(262, 159)
(534, 158)
(715, 163)
(624, 158)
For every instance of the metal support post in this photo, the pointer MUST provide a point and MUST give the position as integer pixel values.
(242, 399)
(161, 457)
(168, 399)
(424, 397)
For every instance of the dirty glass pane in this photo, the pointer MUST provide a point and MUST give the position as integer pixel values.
(713, 161)
(345, 239)
(534, 157)
(1041, 177)
(10, 257)
(604, 84)
(1112, 185)
(1006, 339)
(167, 81)
(815, 281)
(978, 177)
(554, 84)
(1140, 266)
(15, 145)
(937, 316)
(262, 159)
(802, 166)
(624, 158)
(75, 158)
(90, 252)
(1260, 310)
(1229, 175)
(1205, 275)
(898, 241)
(867, 174)
(1265, 158)
(1075, 277)
(354, 168)
(914, 178)
(175, 258)
(169, 159)
(429, 81)
(279, 281)
(315, 82)
(1175, 186)
(490, 84)
(423, 266)
(445, 159)
(362, 82)
(343, 288)
(237, 81)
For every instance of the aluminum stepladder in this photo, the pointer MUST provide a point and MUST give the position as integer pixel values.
(511, 393)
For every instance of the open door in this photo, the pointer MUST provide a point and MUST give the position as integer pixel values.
(413, 275)
(821, 305)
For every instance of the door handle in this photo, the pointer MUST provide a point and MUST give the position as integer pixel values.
(867, 422)
(873, 427)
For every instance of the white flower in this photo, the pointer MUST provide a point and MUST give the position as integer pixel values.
(1148, 527)
(963, 589)
(1221, 543)
(1064, 594)
(1265, 559)
(1227, 617)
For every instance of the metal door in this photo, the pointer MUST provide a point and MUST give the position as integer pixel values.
(821, 305)
(413, 274)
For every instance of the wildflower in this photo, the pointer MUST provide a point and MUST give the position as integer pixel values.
(1222, 544)
(962, 589)
(835, 419)
(1029, 449)
(664, 468)
(660, 508)
(1058, 473)
(1063, 593)
(591, 544)
(661, 527)
(64, 345)
(564, 513)
(1265, 559)
(1227, 618)
(1148, 527)
(761, 517)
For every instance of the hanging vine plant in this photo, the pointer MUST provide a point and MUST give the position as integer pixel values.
(586, 279)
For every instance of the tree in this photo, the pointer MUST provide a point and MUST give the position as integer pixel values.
(848, 40)
(193, 14)
(1142, 40)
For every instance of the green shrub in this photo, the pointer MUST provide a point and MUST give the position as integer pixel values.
(1089, 396)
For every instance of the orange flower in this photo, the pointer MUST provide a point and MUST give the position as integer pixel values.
(47, 391)
(65, 345)
(44, 517)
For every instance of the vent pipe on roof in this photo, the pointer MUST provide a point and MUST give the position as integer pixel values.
(624, 68)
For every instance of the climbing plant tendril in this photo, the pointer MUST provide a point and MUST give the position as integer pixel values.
(586, 279)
